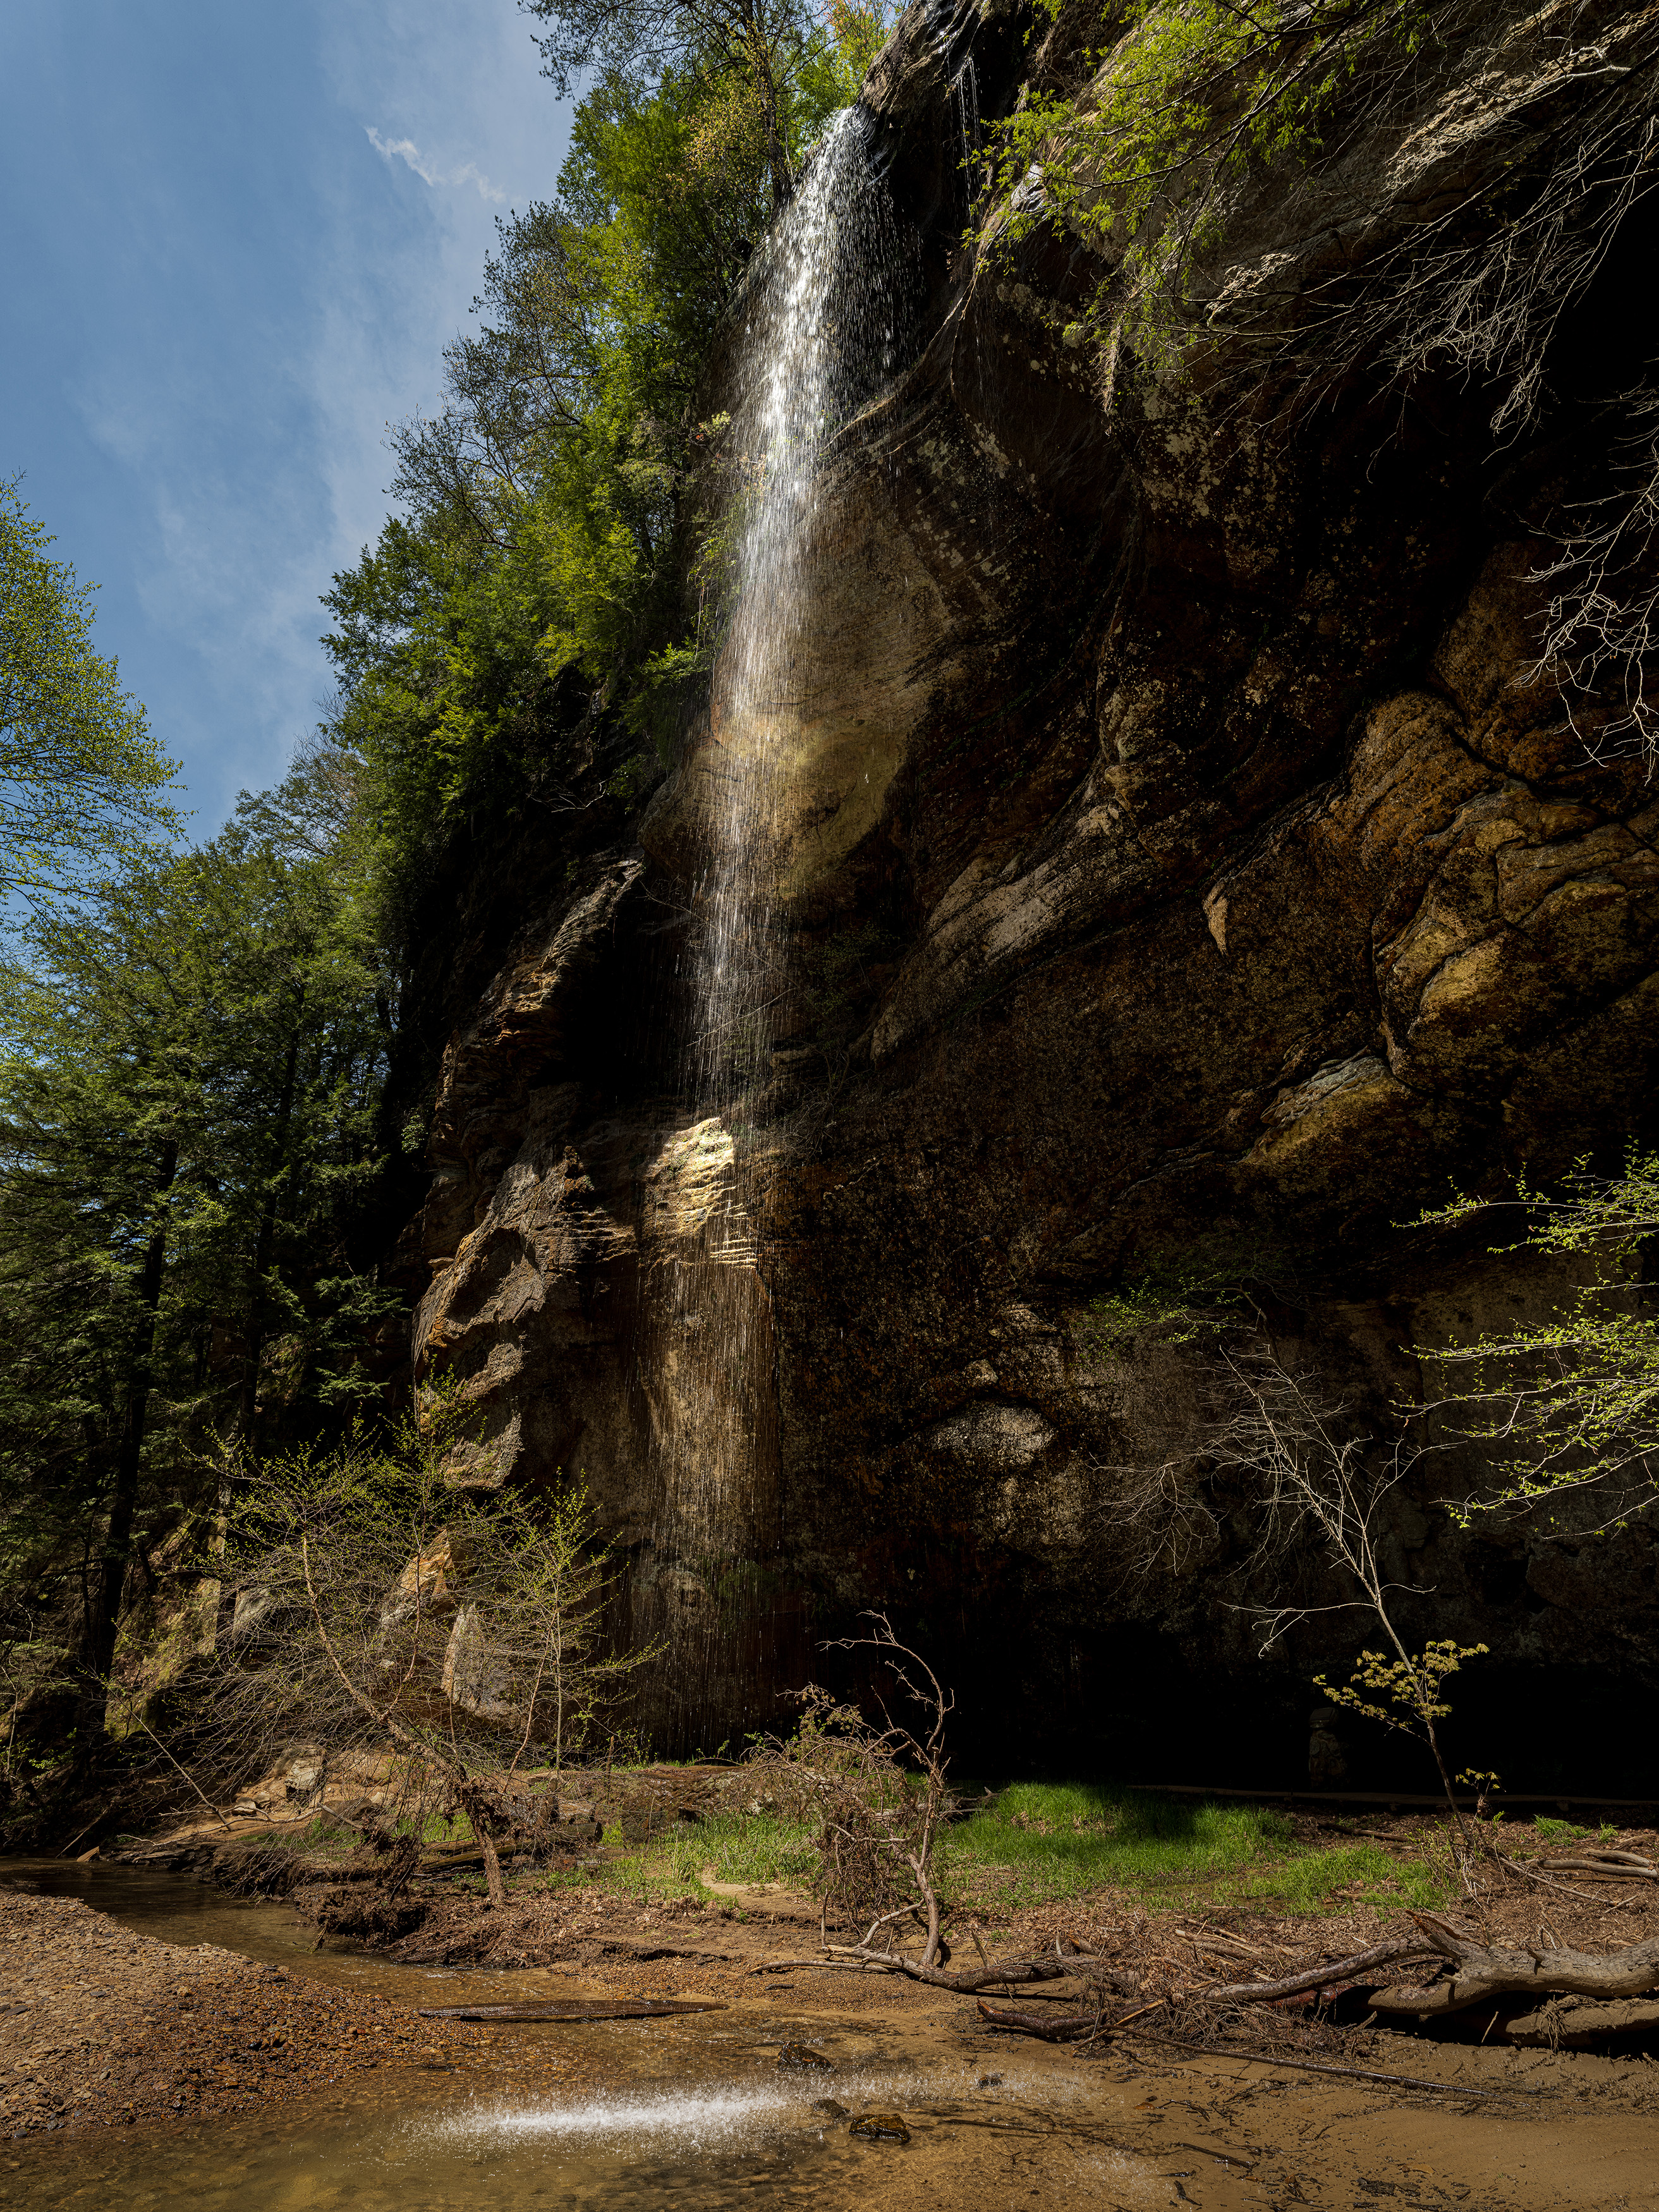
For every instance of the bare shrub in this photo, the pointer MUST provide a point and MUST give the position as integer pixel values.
(1292, 1462)
(459, 1634)
(1482, 289)
(1602, 618)
(877, 1795)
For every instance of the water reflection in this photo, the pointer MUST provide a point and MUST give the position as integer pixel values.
(720, 2146)
(694, 2152)
(174, 1909)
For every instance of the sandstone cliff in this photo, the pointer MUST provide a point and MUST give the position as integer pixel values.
(1181, 862)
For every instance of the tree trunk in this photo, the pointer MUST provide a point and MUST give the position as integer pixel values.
(248, 1411)
(104, 1615)
(777, 157)
(783, 183)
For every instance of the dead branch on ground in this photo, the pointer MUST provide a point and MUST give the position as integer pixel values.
(1001, 1973)
(1314, 1978)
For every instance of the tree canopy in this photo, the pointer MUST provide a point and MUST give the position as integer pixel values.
(81, 776)
(758, 50)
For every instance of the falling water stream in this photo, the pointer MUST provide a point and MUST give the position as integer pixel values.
(823, 310)
(819, 337)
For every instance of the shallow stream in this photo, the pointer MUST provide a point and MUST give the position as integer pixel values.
(692, 2110)
(648, 2147)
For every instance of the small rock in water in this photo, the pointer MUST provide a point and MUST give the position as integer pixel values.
(879, 2127)
(800, 2056)
(829, 2108)
(990, 2081)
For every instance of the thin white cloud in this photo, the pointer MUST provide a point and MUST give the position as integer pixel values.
(405, 149)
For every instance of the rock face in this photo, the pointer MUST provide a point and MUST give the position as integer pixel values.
(1191, 868)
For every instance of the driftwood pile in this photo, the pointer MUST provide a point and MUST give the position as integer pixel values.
(1539, 1992)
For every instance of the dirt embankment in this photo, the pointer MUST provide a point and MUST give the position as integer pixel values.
(101, 2026)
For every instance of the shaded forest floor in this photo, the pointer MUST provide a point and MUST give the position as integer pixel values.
(1180, 1899)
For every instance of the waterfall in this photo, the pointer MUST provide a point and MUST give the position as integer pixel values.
(819, 338)
(965, 105)
(820, 334)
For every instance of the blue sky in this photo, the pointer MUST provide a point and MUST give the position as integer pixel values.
(238, 237)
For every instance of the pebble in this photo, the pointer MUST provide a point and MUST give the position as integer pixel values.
(879, 2127)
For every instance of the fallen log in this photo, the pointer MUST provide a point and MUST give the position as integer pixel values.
(1310, 1978)
(577, 2008)
(1480, 1973)
(1573, 2025)
(1067, 2029)
(995, 1974)
(1620, 1866)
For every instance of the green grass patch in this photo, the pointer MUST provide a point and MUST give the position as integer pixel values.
(1042, 1842)
(1326, 1879)
(1565, 1832)
(739, 1848)
(736, 1847)
(1039, 1843)
(437, 1830)
(320, 1833)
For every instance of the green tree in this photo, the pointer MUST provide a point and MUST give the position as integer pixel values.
(859, 32)
(535, 578)
(1571, 1402)
(81, 775)
(764, 45)
(188, 1093)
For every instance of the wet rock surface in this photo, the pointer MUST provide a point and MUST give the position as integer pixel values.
(879, 2127)
(1195, 864)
